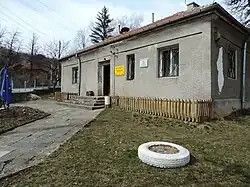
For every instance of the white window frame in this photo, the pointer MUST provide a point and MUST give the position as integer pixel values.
(161, 70)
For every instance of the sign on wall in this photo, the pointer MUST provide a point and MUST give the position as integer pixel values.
(119, 70)
(144, 63)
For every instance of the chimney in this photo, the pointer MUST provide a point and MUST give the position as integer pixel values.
(153, 17)
(192, 5)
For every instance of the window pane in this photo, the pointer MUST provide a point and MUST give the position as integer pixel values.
(169, 62)
(130, 66)
(231, 64)
(166, 63)
(175, 62)
(74, 75)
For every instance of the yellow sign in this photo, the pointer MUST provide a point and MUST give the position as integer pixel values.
(119, 70)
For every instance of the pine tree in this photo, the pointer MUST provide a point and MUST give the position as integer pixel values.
(102, 29)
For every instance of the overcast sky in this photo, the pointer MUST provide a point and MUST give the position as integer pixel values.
(60, 19)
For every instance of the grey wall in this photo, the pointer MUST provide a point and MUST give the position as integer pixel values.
(193, 82)
(66, 78)
(226, 92)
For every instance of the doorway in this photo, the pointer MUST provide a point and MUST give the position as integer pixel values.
(106, 79)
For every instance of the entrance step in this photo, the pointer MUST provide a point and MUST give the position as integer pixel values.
(81, 106)
(87, 102)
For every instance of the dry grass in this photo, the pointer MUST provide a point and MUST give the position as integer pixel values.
(105, 154)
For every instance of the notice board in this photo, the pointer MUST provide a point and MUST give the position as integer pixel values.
(119, 70)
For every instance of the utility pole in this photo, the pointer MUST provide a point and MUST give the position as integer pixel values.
(60, 49)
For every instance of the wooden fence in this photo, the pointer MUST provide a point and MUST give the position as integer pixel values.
(187, 110)
(61, 96)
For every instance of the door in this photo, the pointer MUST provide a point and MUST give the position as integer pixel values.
(106, 79)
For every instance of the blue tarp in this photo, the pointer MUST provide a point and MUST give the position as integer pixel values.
(5, 89)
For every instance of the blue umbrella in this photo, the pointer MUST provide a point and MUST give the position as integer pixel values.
(5, 90)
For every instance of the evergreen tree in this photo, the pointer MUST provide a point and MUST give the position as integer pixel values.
(102, 28)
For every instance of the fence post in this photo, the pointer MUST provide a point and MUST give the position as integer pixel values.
(193, 110)
(175, 104)
(154, 106)
(168, 108)
(161, 107)
(189, 109)
(141, 105)
(147, 105)
(165, 107)
(178, 109)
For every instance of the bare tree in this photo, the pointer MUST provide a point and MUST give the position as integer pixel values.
(54, 51)
(81, 39)
(132, 21)
(32, 47)
(241, 9)
(3, 32)
(13, 46)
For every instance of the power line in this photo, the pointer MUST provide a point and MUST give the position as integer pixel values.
(53, 10)
(36, 11)
(23, 21)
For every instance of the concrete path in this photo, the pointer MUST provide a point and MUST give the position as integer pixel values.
(28, 145)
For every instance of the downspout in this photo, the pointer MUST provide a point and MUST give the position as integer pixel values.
(114, 77)
(243, 99)
(80, 74)
(112, 51)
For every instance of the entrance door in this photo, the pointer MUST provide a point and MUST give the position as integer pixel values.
(106, 79)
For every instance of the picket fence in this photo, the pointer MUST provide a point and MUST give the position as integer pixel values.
(187, 110)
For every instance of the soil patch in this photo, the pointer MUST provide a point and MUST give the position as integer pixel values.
(163, 149)
(17, 116)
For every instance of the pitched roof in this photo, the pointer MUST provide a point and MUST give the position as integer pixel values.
(162, 22)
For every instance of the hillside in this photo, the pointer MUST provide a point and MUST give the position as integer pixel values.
(24, 67)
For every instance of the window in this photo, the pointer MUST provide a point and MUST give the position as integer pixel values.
(131, 67)
(232, 63)
(169, 62)
(74, 75)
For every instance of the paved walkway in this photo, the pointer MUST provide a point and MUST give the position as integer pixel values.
(28, 145)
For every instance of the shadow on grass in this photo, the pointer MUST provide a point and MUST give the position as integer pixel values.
(237, 115)
(233, 169)
(193, 160)
(236, 169)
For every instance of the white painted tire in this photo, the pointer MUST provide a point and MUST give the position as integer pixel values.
(149, 157)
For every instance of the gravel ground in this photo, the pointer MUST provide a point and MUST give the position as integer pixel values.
(17, 116)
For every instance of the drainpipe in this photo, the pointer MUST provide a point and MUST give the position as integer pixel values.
(114, 75)
(243, 99)
(80, 74)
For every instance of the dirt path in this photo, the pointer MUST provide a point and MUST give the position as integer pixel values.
(28, 145)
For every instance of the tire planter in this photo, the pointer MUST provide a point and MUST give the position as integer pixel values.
(160, 160)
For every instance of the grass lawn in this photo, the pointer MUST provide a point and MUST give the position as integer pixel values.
(105, 154)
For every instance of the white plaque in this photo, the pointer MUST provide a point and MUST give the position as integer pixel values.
(144, 63)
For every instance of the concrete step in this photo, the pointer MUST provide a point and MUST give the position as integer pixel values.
(93, 104)
(81, 106)
(91, 98)
(88, 103)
